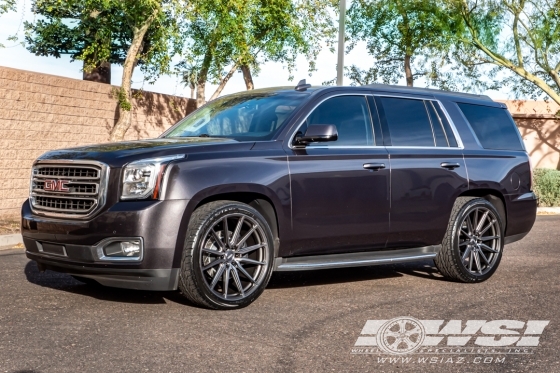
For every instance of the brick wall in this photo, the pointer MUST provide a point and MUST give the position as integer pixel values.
(40, 112)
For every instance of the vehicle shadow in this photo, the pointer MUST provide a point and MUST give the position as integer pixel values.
(423, 269)
(279, 280)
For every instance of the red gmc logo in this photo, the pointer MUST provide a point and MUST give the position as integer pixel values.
(56, 185)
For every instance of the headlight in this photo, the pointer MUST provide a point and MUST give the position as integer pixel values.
(142, 179)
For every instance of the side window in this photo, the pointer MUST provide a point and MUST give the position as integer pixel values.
(407, 121)
(493, 126)
(350, 115)
(442, 130)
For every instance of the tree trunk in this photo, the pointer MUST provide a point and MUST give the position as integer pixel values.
(101, 74)
(192, 86)
(408, 71)
(223, 82)
(125, 94)
(200, 94)
(247, 77)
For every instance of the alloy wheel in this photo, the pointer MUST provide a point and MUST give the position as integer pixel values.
(479, 241)
(234, 256)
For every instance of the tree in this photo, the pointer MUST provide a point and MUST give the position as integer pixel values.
(227, 36)
(405, 37)
(128, 32)
(7, 6)
(519, 39)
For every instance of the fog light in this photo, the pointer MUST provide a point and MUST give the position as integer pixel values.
(128, 249)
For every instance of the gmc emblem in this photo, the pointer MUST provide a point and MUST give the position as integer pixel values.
(56, 185)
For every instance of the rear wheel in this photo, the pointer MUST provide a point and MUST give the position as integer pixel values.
(228, 256)
(473, 244)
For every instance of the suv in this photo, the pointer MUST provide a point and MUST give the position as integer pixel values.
(287, 180)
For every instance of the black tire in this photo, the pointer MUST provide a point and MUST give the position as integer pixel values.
(195, 282)
(453, 260)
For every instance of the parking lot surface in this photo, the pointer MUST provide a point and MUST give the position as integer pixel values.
(303, 322)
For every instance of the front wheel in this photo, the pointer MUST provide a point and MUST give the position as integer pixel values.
(228, 255)
(473, 244)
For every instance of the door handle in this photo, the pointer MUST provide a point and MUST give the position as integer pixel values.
(450, 165)
(374, 166)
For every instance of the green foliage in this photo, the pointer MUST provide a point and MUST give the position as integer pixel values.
(7, 6)
(399, 32)
(122, 99)
(547, 187)
(97, 31)
(225, 33)
(514, 43)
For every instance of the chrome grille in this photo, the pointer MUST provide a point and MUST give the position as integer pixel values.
(67, 189)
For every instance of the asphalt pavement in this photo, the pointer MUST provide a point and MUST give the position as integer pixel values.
(303, 322)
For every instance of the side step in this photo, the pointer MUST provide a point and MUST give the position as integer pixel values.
(368, 258)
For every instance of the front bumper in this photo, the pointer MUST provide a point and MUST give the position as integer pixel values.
(156, 223)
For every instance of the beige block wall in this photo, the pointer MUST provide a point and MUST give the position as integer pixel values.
(40, 112)
(540, 128)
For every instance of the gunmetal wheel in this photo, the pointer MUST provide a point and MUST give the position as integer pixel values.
(473, 244)
(228, 255)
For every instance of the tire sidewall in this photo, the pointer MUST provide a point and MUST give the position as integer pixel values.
(214, 216)
(465, 210)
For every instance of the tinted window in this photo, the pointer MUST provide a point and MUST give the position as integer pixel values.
(350, 115)
(493, 126)
(243, 117)
(439, 132)
(446, 126)
(407, 120)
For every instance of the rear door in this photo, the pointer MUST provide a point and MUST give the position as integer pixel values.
(427, 168)
(339, 189)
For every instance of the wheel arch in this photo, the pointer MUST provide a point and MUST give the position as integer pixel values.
(494, 197)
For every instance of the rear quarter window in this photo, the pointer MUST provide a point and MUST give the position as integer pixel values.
(494, 127)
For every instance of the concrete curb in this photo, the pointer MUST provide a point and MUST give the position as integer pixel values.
(10, 239)
(548, 210)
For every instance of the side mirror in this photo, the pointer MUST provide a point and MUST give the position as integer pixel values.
(317, 133)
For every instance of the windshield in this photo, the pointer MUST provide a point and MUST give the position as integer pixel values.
(244, 117)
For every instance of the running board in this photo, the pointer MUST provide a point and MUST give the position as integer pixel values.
(368, 258)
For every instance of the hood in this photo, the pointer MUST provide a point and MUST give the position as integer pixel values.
(120, 153)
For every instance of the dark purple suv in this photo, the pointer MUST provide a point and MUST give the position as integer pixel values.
(287, 180)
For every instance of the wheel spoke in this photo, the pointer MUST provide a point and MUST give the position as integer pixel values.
(217, 276)
(470, 260)
(467, 252)
(225, 230)
(484, 257)
(213, 264)
(489, 238)
(488, 248)
(477, 261)
(226, 281)
(245, 273)
(469, 225)
(246, 237)
(481, 221)
(247, 250)
(213, 252)
(237, 281)
(487, 227)
(250, 261)
(237, 231)
(464, 243)
(217, 239)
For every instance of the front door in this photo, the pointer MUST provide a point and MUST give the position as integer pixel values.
(340, 189)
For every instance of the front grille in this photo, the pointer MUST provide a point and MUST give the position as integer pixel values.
(67, 190)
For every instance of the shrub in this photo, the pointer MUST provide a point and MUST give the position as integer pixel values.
(547, 187)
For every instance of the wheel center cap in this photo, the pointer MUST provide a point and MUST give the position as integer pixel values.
(229, 256)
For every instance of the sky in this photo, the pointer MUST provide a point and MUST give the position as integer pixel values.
(272, 74)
